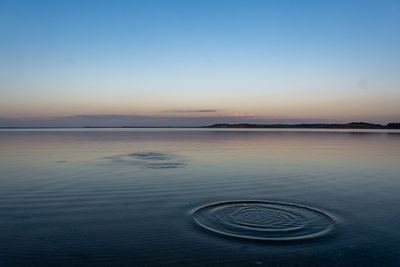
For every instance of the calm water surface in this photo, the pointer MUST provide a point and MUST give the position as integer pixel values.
(199, 197)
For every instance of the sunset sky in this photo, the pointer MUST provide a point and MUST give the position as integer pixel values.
(182, 63)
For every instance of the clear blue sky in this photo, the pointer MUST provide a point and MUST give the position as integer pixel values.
(264, 60)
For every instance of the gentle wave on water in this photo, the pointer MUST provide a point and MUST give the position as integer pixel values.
(264, 220)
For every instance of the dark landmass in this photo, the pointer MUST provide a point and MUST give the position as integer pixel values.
(352, 125)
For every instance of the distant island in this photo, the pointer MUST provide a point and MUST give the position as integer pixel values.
(352, 125)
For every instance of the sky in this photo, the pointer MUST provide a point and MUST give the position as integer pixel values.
(197, 62)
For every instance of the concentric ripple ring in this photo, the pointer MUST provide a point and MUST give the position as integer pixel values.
(264, 220)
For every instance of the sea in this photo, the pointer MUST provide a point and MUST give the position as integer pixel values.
(199, 197)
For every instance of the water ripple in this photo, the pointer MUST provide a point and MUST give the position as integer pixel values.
(149, 155)
(264, 220)
(149, 159)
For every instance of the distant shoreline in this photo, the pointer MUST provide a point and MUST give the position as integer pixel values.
(352, 125)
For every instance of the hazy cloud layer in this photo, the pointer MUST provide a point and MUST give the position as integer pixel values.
(196, 111)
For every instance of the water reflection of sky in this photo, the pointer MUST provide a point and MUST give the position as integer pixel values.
(249, 147)
(133, 191)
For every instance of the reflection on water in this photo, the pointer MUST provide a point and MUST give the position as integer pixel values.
(124, 197)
